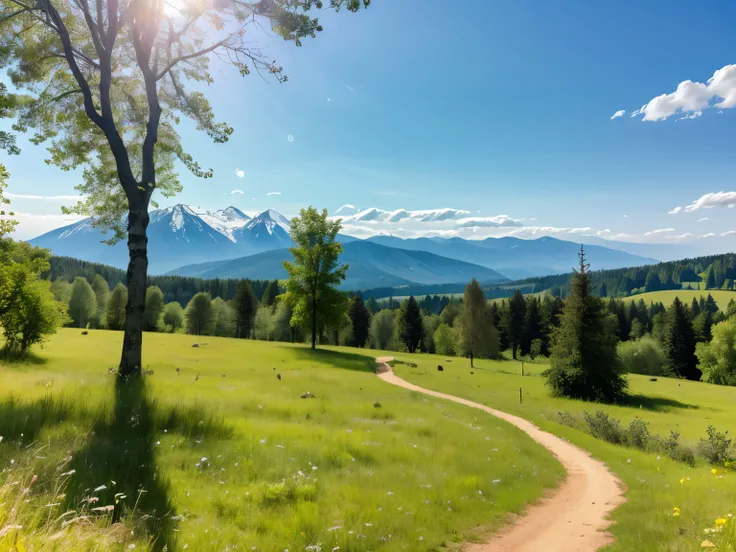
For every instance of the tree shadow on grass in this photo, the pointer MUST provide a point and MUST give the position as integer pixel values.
(116, 468)
(657, 404)
(338, 359)
(25, 358)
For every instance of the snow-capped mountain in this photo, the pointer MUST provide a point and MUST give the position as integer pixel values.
(347, 210)
(177, 235)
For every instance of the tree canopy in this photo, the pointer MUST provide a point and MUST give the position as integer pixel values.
(315, 273)
(409, 321)
(105, 84)
(477, 336)
(584, 363)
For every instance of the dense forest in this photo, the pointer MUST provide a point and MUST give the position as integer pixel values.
(711, 272)
(175, 288)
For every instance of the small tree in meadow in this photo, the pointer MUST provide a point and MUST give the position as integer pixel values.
(584, 364)
(476, 335)
(315, 274)
(115, 311)
(245, 303)
(199, 315)
(409, 322)
(173, 317)
(679, 343)
(360, 319)
(154, 309)
(382, 330)
(82, 304)
(102, 294)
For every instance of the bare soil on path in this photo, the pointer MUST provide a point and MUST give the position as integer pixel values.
(573, 518)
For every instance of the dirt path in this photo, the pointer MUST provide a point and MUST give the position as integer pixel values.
(573, 518)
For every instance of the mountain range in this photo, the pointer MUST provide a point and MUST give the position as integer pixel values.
(189, 240)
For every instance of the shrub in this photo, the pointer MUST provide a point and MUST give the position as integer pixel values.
(716, 449)
(674, 449)
(643, 356)
(638, 435)
(602, 426)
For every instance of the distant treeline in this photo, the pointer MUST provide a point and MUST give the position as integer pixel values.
(715, 271)
(175, 288)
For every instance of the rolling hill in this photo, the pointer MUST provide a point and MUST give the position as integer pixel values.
(371, 265)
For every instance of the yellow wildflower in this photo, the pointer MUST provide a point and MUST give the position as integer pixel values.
(714, 471)
(707, 544)
(682, 481)
(721, 521)
(675, 511)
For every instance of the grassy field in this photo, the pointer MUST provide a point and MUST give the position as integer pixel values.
(722, 297)
(655, 485)
(211, 451)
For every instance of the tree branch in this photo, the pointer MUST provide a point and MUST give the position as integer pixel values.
(203, 52)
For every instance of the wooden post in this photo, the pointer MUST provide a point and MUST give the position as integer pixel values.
(522, 367)
(521, 400)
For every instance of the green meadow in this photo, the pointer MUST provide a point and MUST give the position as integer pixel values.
(655, 484)
(245, 445)
(722, 297)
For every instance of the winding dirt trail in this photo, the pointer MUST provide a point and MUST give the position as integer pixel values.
(571, 519)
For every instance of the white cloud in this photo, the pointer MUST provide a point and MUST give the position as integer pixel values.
(619, 113)
(708, 235)
(273, 194)
(708, 201)
(691, 98)
(241, 192)
(626, 216)
(674, 211)
(11, 195)
(729, 233)
(659, 231)
(702, 219)
(240, 173)
(290, 138)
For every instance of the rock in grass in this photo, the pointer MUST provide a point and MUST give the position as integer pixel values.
(308, 395)
(652, 379)
(376, 404)
(278, 376)
(440, 368)
(195, 345)
(85, 332)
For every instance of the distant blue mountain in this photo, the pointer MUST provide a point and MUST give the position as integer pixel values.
(516, 258)
(371, 265)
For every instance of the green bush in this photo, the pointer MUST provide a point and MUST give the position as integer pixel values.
(716, 449)
(643, 356)
(602, 426)
(638, 435)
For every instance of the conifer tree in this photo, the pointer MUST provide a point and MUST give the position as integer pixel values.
(477, 336)
(584, 363)
(360, 318)
(270, 293)
(514, 322)
(532, 325)
(246, 306)
(409, 320)
(679, 343)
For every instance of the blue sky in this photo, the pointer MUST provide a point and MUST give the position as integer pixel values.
(501, 107)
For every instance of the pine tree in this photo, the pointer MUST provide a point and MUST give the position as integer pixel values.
(532, 325)
(710, 281)
(477, 335)
(603, 290)
(360, 318)
(115, 312)
(409, 322)
(584, 364)
(679, 343)
(270, 294)
(731, 309)
(246, 306)
(694, 308)
(83, 304)
(514, 322)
